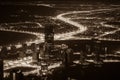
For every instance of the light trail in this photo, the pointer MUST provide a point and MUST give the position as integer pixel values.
(63, 36)
(26, 62)
(81, 27)
(40, 39)
(69, 35)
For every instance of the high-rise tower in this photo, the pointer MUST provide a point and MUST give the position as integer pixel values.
(49, 38)
(49, 33)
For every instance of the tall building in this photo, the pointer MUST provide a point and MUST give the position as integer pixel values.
(49, 34)
(24, 47)
(49, 38)
(69, 56)
(97, 50)
(34, 47)
(4, 52)
(35, 53)
(13, 50)
(16, 74)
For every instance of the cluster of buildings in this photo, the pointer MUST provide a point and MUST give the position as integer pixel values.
(40, 53)
(44, 54)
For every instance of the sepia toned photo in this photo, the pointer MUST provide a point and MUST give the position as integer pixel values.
(59, 40)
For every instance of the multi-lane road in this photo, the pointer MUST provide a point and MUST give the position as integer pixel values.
(64, 36)
(68, 35)
(81, 27)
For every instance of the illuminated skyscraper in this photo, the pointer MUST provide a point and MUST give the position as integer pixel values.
(49, 38)
(49, 34)
(16, 74)
(35, 54)
(97, 49)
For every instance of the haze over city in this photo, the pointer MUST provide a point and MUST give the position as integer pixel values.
(59, 40)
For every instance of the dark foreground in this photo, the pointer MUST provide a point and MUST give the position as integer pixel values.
(106, 71)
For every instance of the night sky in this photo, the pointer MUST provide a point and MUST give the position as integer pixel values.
(106, 1)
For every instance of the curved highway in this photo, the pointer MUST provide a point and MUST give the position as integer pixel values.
(81, 27)
(69, 35)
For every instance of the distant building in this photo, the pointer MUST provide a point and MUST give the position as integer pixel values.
(16, 75)
(35, 52)
(4, 52)
(24, 47)
(69, 56)
(97, 49)
(49, 39)
(66, 55)
(41, 50)
(21, 54)
(34, 47)
(13, 50)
